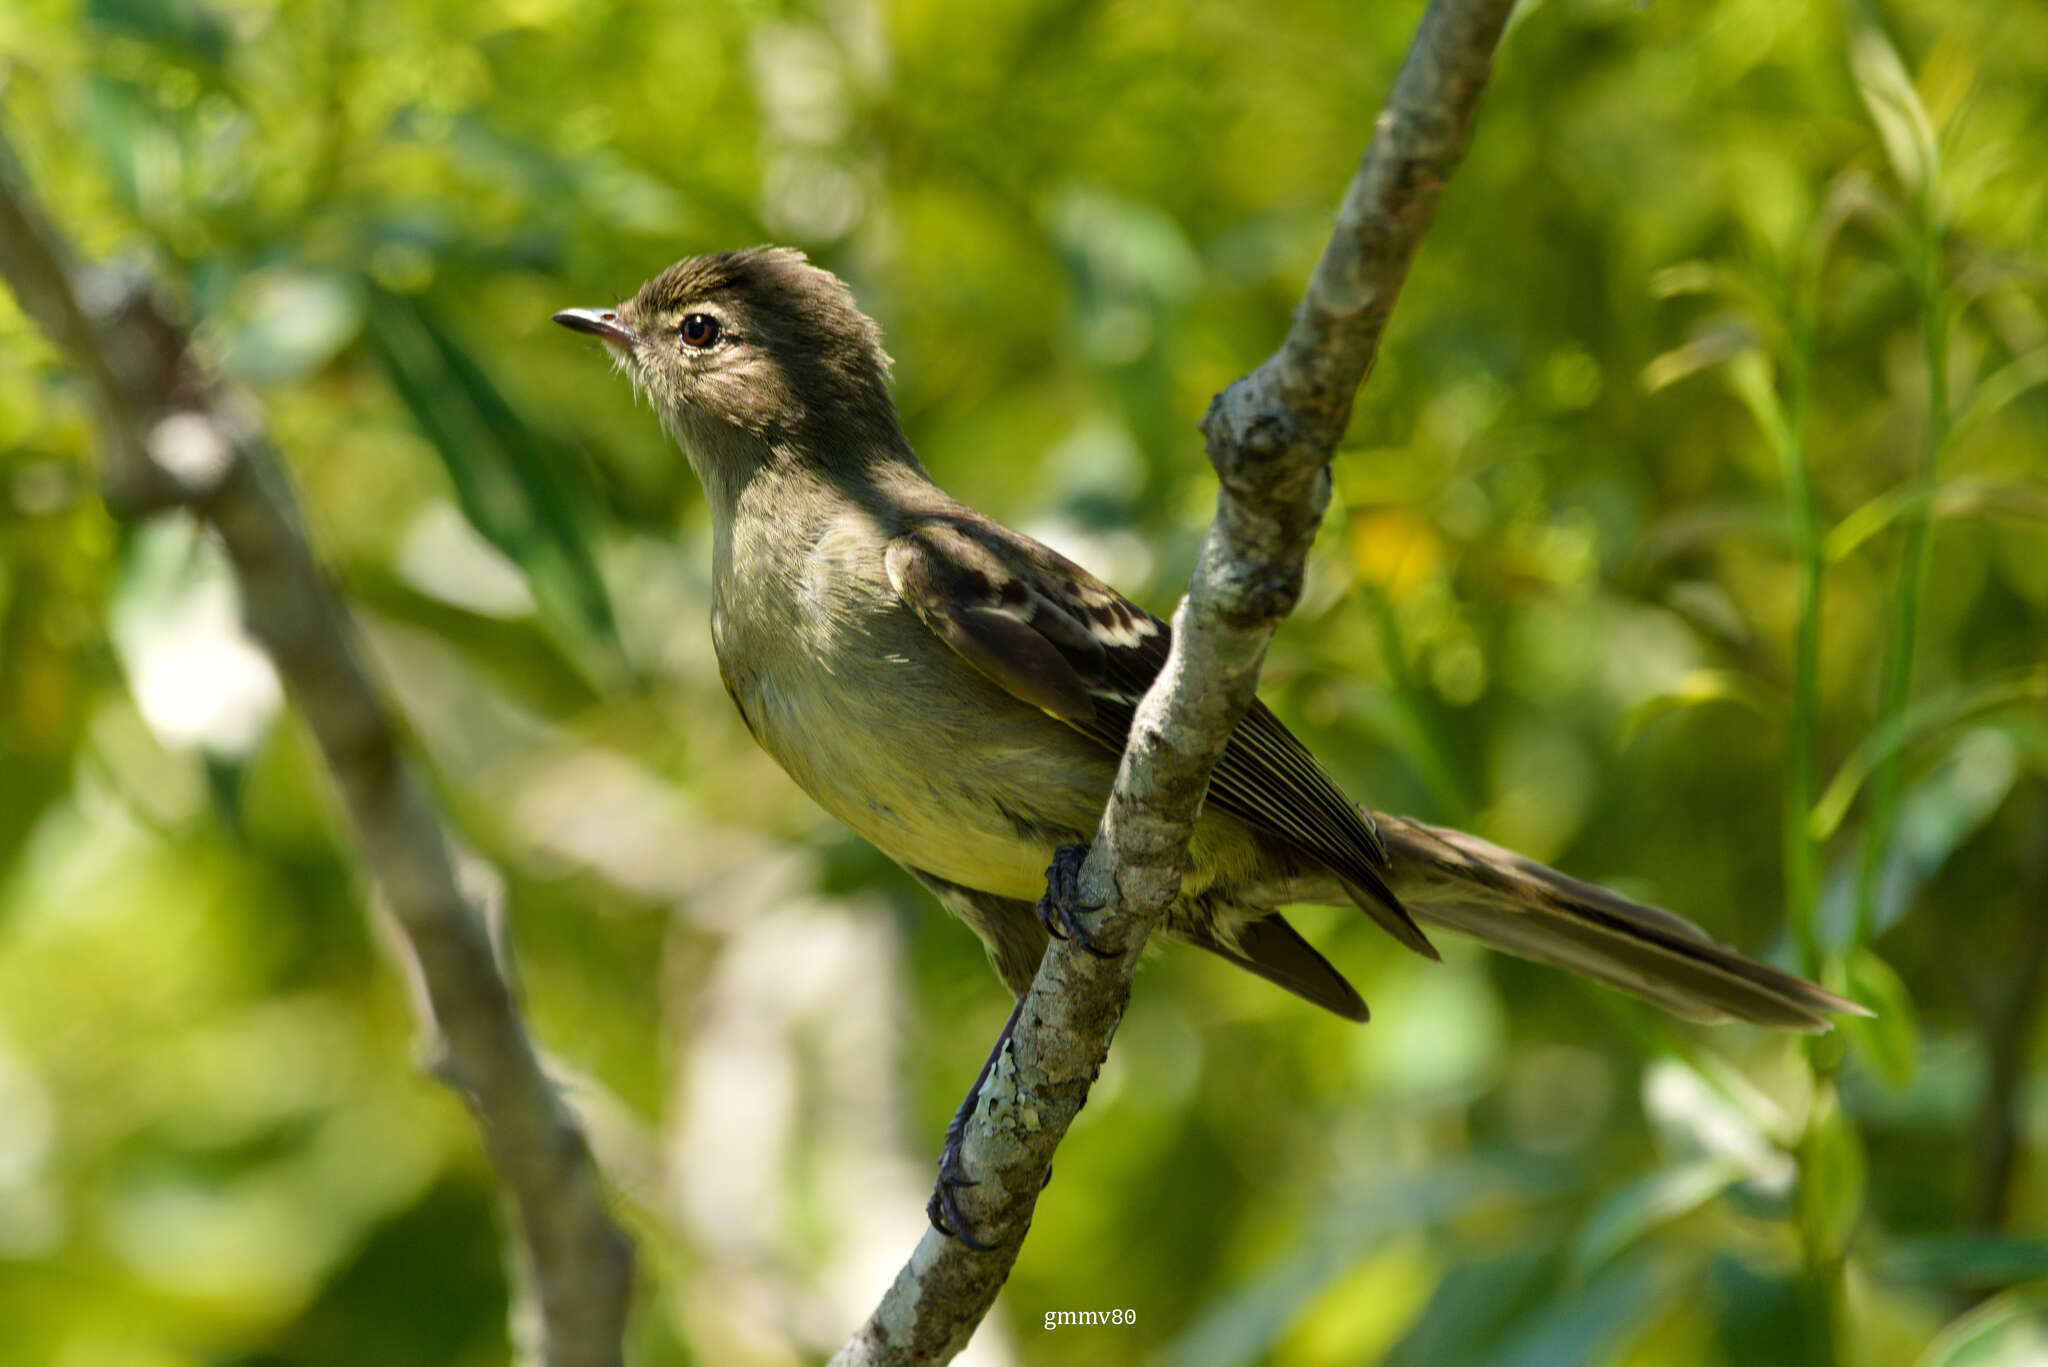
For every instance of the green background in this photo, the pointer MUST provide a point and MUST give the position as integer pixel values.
(1699, 258)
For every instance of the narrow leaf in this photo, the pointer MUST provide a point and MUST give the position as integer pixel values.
(1475, 1305)
(1894, 105)
(1635, 1208)
(515, 484)
(1968, 1260)
(1700, 687)
(1891, 1038)
(1995, 500)
(1244, 1327)
(1926, 718)
(1594, 1325)
(2008, 1331)
(1832, 1176)
(2000, 388)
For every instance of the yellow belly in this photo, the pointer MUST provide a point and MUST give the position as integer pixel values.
(937, 766)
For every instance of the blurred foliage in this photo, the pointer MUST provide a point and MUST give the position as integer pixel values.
(1707, 448)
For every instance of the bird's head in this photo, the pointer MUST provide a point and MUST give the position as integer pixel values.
(757, 342)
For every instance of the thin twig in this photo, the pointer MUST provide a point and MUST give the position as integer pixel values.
(1270, 437)
(174, 438)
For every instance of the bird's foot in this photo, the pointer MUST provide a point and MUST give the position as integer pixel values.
(1061, 907)
(943, 1209)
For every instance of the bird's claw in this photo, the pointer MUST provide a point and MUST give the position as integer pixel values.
(1059, 910)
(943, 1209)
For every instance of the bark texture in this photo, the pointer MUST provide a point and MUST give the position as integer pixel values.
(174, 439)
(1270, 437)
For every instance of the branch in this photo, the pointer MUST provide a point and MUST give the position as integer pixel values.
(1270, 437)
(174, 439)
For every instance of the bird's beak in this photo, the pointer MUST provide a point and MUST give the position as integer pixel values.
(600, 323)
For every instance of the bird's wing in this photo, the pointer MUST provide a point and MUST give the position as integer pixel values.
(1055, 636)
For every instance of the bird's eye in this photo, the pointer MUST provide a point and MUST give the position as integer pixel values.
(698, 330)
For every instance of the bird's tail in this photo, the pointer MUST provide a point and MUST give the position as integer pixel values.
(1448, 878)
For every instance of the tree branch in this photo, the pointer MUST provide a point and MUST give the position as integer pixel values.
(1270, 437)
(175, 439)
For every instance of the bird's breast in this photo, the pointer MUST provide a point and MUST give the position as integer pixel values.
(893, 734)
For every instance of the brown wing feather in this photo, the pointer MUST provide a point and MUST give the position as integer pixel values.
(985, 589)
(987, 615)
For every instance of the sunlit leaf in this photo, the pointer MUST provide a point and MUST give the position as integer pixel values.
(1750, 376)
(1635, 1208)
(1697, 689)
(1703, 351)
(197, 677)
(1936, 815)
(1998, 390)
(2009, 1331)
(1719, 1118)
(1894, 105)
(284, 324)
(1927, 718)
(1690, 277)
(1891, 1038)
(1244, 1326)
(1850, 196)
(1718, 279)
(1832, 1175)
(1395, 550)
(2017, 501)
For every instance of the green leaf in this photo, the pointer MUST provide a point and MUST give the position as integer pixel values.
(1891, 1038)
(1832, 1174)
(284, 324)
(1998, 389)
(1474, 1305)
(1761, 1314)
(1750, 376)
(138, 151)
(1928, 717)
(1714, 1112)
(1938, 813)
(175, 621)
(1709, 347)
(1894, 105)
(2015, 501)
(2009, 1331)
(1761, 317)
(1697, 689)
(1635, 1208)
(518, 486)
(184, 27)
(1244, 1327)
(1594, 1324)
(1968, 1260)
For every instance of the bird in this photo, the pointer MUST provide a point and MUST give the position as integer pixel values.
(959, 694)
